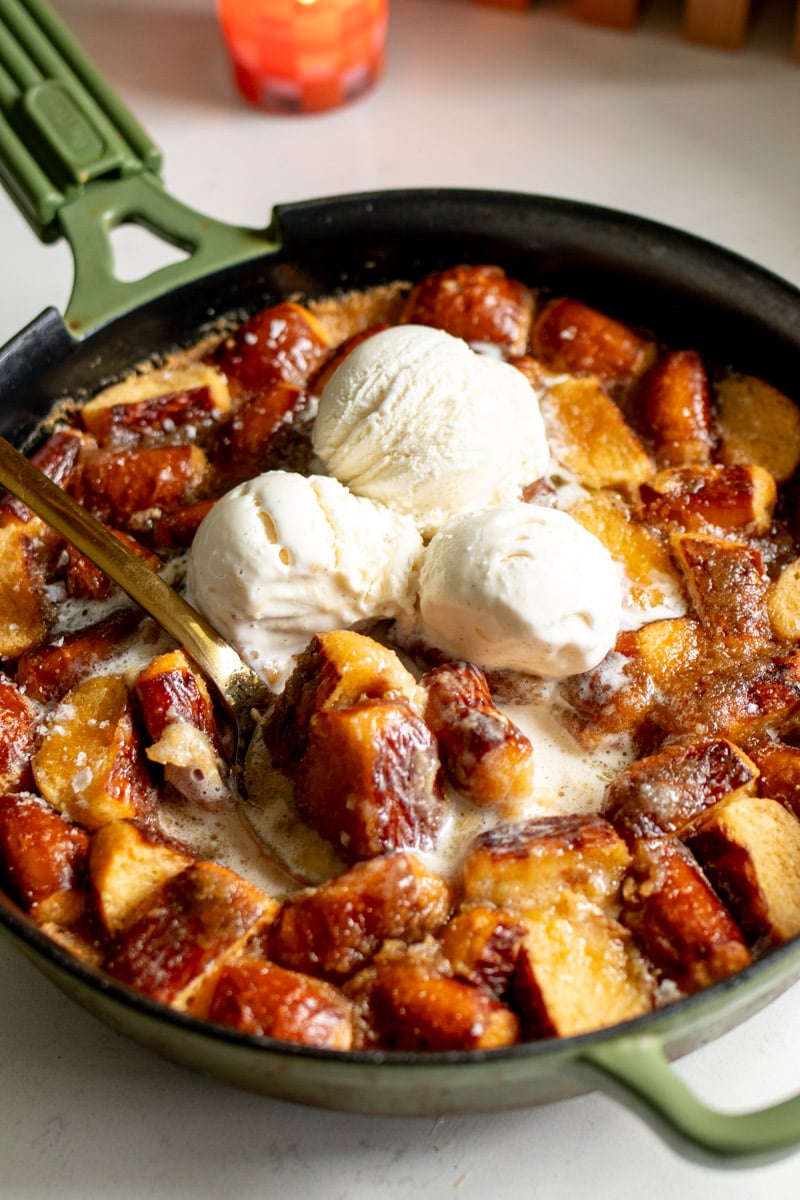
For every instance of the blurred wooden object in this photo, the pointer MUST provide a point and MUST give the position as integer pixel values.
(716, 22)
(620, 13)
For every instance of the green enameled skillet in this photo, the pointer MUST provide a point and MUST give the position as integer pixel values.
(78, 166)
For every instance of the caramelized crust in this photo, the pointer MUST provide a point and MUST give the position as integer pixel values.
(569, 336)
(124, 487)
(26, 614)
(42, 856)
(673, 406)
(779, 777)
(284, 343)
(18, 722)
(127, 863)
(478, 304)
(481, 944)
(48, 672)
(532, 864)
(738, 499)
(728, 586)
(678, 921)
(172, 404)
(485, 756)
(335, 929)
(590, 438)
(674, 790)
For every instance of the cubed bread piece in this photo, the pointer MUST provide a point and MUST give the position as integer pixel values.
(285, 343)
(335, 929)
(757, 424)
(668, 649)
(612, 698)
(673, 404)
(578, 969)
(485, 756)
(643, 553)
(57, 458)
(783, 603)
(84, 581)
(187, 924)
(42, 858)
(675, 789)
(26, 614)
(531, 863)
(126, 488)
(256, 437)
(18, 722)
(779, 779)
(90, 764)
(126, 864)
(337, 669)
(158, 403)
(261, 998)
(409, 1000)
(590, 438)
(179, 716)
(175, 528)
(569, 336)
(481, 944)
(48, 672)
(369, 780)
(738, 499)
(750, 850)
(677, 919)
(727, 584)
(476, 303)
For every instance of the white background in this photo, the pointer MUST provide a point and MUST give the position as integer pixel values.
(475, 97)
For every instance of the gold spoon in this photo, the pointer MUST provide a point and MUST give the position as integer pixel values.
(240, 689)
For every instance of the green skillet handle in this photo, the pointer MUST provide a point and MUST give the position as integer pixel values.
(636, 1072)
(78, 165)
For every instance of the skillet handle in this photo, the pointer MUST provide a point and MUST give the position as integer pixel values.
(636, 1072)
(78, 165)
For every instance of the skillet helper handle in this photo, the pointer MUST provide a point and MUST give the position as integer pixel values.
(636, 1072)
(78, 165)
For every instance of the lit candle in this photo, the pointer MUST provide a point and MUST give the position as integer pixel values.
(304, 55)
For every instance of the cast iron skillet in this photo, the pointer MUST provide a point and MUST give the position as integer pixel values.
(100, 171)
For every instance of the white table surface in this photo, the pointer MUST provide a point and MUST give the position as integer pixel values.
(472, 96)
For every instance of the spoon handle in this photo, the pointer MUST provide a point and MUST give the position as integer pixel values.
(236, 682)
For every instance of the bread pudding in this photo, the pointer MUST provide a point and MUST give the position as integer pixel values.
(524, 583)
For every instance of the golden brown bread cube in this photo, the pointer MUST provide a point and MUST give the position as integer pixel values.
(668, 648)
(179, 716)
(84, 581)
(750, 850)
(261, 998)
(476, 303)
(42, 858)
(336, 670)
(484, 755)
(128, 488)
(673, 790)
(578, 969)
(590, 438)
(757, 424)
(727, 585)
(738, 499)
(532, 863)
(186, 925)
(158, 404)
(779, 778)
(409, 1000)
(369, 779)
(643, 552)
(335, 929)
(257, 436)
(126, 864)
(285, 342)
(481, 944)
(614, 697)
(90, 764)
(783, 603)
(18, 726)
(26, 614)
(48, 672)
(678, 921)
(673, 404)
(569, 336)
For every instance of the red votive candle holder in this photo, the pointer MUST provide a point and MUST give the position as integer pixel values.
(304, 55)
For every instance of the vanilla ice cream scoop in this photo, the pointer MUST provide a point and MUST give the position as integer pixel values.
(520, 587)
(417, 420)
(282, 557)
